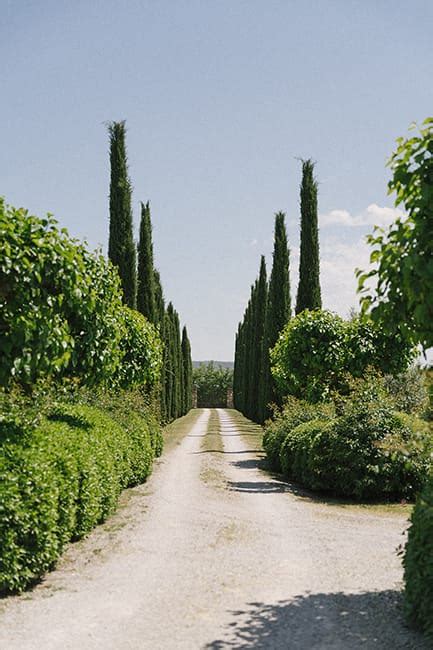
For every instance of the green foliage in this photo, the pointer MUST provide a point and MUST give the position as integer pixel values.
(308, 359)
(60, 479)
(402, 299)
(408, 390)
(121, 247)
(318, 350)
(368, 344)
(146, 289)
(60, 306)
(418, 564)
(267, 312)
(278, 308)
(309, 294)
(212, 383)
(141, 352)
(293, 413)
(187, 373)
(363, 450)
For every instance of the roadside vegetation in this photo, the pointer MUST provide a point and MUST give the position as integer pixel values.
(347, 411)
(86, 380)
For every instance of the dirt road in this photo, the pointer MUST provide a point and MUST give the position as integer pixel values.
(215, 553)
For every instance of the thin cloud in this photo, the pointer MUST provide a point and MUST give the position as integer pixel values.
(373, 215)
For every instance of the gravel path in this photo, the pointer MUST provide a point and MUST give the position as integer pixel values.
(214, 553)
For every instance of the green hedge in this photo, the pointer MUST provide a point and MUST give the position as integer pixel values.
(62, 478)
(366, 451)
(418, 564)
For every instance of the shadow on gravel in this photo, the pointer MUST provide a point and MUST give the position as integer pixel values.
(251, 463)
(220, 451)
(332, 621)
(264, 487)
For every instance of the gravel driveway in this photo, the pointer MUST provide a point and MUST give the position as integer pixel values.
(215, 553)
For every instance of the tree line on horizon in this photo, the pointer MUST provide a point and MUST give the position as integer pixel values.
(270, 307)
(141, 281)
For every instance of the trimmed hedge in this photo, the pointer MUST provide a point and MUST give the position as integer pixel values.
(418, 564)
(61, 479)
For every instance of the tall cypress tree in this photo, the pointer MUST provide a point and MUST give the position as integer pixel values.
(168, 367)
(259, 413)
(121, 247)
(187, 373)
(146, 303)
(309, 295)
(159, 300)
(278, 305)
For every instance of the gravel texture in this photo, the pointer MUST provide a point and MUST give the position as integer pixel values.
(213, 553)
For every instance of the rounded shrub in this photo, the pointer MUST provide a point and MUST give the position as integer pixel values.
(308, 357)
(368, 452)
(367, 344)
(318, 352)
(293, 413)
(418, 564)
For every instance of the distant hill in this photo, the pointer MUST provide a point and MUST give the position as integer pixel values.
(221, 364)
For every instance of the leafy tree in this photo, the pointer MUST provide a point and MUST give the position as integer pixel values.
(309, 295)
(212, 383)
(146, 289)
(403, 299)
(61, 311)
(121, 247)
(318, 350)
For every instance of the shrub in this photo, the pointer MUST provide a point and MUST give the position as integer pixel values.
(60, 306)
(293, 413)
(408, 390)
(59, 480)
(317, 351)
(308, 357)
(141, 352)
(418, 564)
(364, 449)
(367, 344)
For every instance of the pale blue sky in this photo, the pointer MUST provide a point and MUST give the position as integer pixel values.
(220, 98)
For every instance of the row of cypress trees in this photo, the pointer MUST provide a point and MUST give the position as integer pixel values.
(269, 307)
(141, 282)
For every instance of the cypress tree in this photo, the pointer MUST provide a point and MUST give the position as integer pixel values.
(278, 310)
(159, 299)
(187, 372)
(160, 323)
(309, 295)
(262, 299)
(146, 289)
(168, 364)
(121, 247)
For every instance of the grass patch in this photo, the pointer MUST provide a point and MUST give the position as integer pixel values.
(178, 429)
(212, 441)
